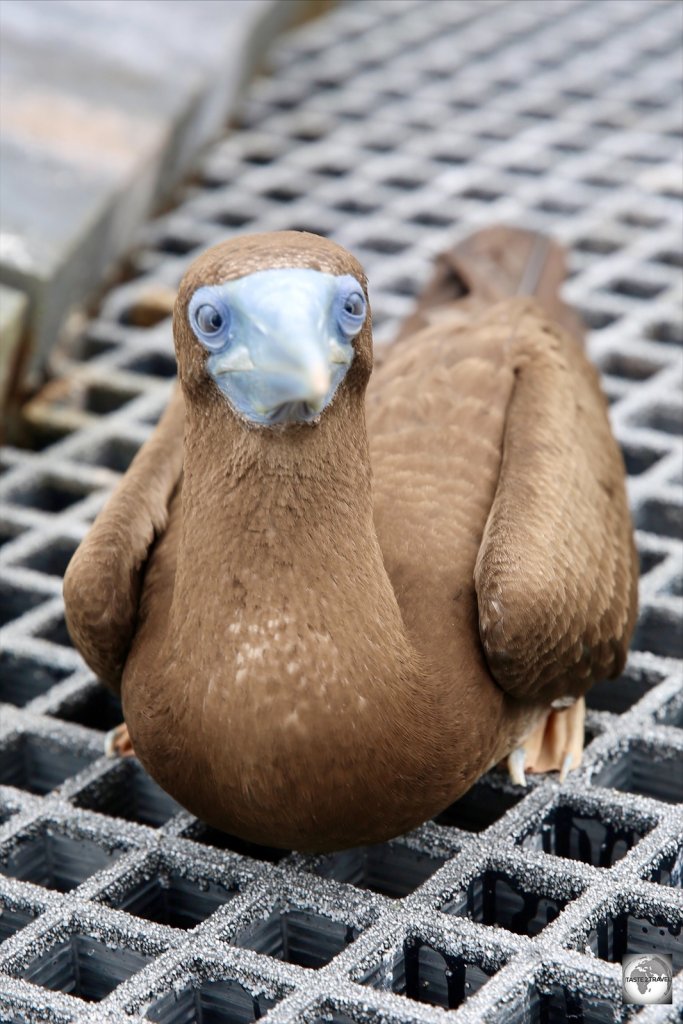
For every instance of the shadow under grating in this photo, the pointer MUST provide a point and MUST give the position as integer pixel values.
(297, 937)
(84, 967)
(22, 678)
(559, 1004)
(169, 898)
(615, 935)
(210, 1002)
(618, 695)
(423, 973)
(16, 601)
(392, 869)
(39, 764)
(640, 769)
(478, 808)
(566, 831)
(50, 857)
(496, 898)
(208, 836)
(13, 918)
(126, 791)
(95, 707)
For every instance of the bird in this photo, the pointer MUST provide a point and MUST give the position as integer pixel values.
(331, 599)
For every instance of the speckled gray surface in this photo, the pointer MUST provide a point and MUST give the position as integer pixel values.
(396, 128)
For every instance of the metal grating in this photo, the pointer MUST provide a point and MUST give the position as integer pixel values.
(397, 128)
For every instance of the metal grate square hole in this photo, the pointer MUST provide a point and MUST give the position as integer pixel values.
(23, 677)
(597, 319)
(171, 897)
(54, 858)
(208, 836)
(668, 869)
(496, 898)
(128, 792)
(49, 494)
(662, 517)
(84, 967)
(567, 831)
(649, 560)
(667, 332)
(423, 973)
(618, 695)
(53, 558)
(14, 917)
(39, 763)
(479, 808)
(115, 453)
(560, 1004)
(95, 707)
(630, 367)
(658, 631)
(210, 1002)
(93, 347)
(154, 364)
(56, 632)
(146, 311)
(8, 531)
(16, 601)
(102, 399)
(631, 931)
(392, 869)
(298, 937)
(638, 458)
(667, 418)
(651, 772)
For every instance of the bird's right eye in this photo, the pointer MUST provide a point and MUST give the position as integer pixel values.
(210, 319)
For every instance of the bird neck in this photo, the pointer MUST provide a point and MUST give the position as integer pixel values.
(282, 522)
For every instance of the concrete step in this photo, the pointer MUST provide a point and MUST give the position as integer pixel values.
(104, 107)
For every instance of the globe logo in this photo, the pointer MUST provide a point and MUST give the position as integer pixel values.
(647, 979)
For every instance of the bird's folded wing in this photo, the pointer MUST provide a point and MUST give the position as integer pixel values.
(104, 578)
(556, 575)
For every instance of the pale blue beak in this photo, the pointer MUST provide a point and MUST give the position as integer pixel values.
(280, 341)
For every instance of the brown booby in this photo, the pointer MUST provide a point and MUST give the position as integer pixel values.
(328, 615)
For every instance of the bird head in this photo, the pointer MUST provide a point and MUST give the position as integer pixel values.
(275, 324)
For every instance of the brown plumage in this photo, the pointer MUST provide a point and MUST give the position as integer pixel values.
(324, 634)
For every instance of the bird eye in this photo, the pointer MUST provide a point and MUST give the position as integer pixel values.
(209, 320)
(355, 305)
(352, 308)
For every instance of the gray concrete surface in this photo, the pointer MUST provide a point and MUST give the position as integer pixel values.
(104, 107)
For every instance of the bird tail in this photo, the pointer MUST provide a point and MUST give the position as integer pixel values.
(491, 265)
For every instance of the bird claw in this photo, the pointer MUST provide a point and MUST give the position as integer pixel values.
(117, 742)
(554, 744)
(566, 766)
(516, 762)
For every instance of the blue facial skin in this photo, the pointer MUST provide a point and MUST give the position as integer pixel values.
(279, 341)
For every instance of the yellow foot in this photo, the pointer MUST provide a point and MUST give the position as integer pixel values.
(117, 742)
(555, 744)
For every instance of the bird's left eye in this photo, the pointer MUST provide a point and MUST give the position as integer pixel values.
(355, 305)
(351, 309)
(209, 319)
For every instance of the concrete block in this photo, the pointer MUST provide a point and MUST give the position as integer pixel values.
(104, 108)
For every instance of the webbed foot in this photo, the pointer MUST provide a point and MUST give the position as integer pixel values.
(555, 744)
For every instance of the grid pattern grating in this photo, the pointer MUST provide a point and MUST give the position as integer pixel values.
(397, 128)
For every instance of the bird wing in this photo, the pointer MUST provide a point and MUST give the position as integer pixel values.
(556, 576)
(103, 581)
(496, 471)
